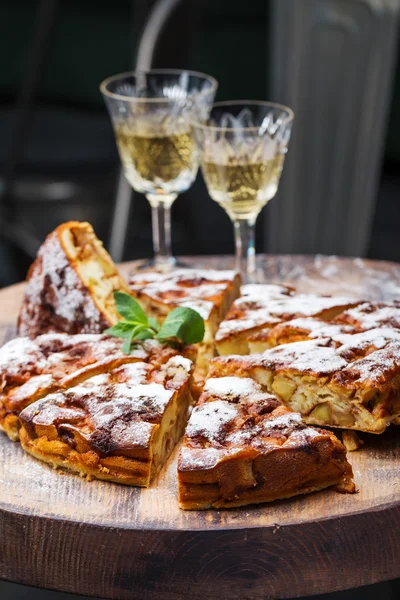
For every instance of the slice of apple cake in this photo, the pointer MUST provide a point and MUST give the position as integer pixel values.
(207, 291)
(350, 381)
(70, 285)
(119, 426)
(244, 446)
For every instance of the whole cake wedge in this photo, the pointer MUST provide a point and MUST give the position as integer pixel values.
(262, 307)
(70, 285)
(244, 446)
(30, 369)
(119, 426)
(207, 291)
(351, 381)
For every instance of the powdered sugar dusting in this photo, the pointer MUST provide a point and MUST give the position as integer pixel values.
(373, 314)
(199, 289)
(209, 420)
(53, 281)
(121, 408)
(226, 387)
(308, 357)
(260, 305)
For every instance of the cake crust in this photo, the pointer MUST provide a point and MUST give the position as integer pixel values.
(244, 446)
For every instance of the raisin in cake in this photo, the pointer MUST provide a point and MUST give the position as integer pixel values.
(70, 285)
(243, 446)
(351, 381)
(261, 307)
(120, 426)
(207, 291)
(30, 369)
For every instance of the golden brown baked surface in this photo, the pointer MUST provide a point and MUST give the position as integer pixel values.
(349, 380)
(243, 446)
(70, 285)
(207, 291)
(120, 426)
(261, 307)
(30, 369)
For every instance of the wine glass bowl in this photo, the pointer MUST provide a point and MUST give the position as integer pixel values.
(243, 146)
(151, 113)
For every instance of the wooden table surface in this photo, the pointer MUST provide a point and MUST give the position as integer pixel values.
(60, 532)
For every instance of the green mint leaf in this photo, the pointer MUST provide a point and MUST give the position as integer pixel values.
(154, 324)
(126, 346)
(182, 323)
(129, 308)
(122, 329)
(145, 334)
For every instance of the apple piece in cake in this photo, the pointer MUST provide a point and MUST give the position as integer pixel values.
(70, 285)
(261, 307)
(244, 446)
(354, 385)
(119, 426)
(209, 292)
(30, 369)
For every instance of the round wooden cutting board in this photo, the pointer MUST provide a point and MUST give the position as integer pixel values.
(59, 531)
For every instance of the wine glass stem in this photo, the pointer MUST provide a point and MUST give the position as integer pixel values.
(245, 248)
(161, 226)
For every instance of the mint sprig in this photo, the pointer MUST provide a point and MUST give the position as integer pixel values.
(181, 324)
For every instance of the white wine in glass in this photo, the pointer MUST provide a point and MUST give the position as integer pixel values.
(151, 113)
(243, 147)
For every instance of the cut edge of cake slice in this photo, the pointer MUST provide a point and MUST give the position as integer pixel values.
(244, 446)
(353, 386)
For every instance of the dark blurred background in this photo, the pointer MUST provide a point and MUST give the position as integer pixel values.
(341, 184)
(334, 61)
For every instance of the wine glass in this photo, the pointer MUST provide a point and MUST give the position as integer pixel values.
(243, 146)
(151, 112)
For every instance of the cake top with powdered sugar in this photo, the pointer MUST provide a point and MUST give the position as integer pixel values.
(234, 415)
(200, 289)
(113, 411)
(267, 305)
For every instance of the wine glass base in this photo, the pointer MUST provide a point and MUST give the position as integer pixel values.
(151, 264)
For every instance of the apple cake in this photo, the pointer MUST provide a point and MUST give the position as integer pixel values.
(30, 369)
(207, 291)
(350, 381)
(70, 285)
(261, 307)
(120, 426)
(244, 446)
